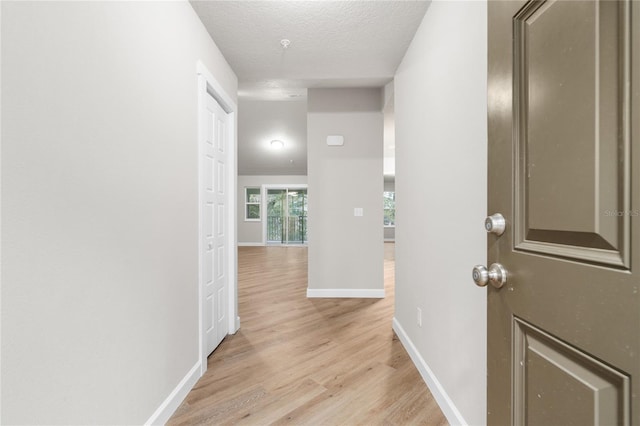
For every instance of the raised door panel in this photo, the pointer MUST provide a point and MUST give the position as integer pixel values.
(572, 130)
(221, 137)
(220, 177)
(208, 220)
(555, 383)
(220, 221)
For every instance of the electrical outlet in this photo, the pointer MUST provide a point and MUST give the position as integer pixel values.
(419, 318)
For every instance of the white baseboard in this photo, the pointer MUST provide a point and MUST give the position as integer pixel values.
(447, 406)
(345, 292)
(175, 398)
(389, 240)
(250, 244)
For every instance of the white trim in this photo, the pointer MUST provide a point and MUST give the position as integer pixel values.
(449, 409)
(216, 90)
(346, 292)
(1, 214)
(285, 185)
(389, 240)
(175, 398)
(250, 245)
(209, 85)
(247, 203)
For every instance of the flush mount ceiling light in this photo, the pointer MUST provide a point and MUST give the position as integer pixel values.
(277, 144)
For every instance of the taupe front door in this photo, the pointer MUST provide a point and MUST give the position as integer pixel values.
(564, 170)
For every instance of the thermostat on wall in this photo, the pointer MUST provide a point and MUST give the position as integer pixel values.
(335, 140)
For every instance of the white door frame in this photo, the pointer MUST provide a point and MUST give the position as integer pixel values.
(266, 187)
(209, 86)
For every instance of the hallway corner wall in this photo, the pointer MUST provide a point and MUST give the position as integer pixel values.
(100, 208)
(441, 187)
(346, 253)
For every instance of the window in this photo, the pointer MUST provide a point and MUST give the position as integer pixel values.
(252, 201)
(389, 208)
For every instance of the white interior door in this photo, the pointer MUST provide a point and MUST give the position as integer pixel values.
(215, 241)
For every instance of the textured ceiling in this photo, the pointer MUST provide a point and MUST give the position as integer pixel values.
(333, 43)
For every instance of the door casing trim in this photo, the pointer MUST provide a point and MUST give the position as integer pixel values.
(208, 85)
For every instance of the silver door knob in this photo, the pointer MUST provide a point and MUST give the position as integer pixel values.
(495, 224)
(496, 275)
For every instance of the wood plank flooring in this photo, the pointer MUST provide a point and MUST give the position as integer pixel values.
(307, 361)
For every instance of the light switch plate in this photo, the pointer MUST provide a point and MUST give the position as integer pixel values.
(358, 211)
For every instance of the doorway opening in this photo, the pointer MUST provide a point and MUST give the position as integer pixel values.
(286, 218)
(217, 259)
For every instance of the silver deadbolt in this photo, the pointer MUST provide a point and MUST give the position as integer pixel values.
(496, 275)
(495, 224)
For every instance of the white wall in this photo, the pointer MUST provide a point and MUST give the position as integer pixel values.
(441, 145)
(345, 252)
(250, 232)
(99, 207)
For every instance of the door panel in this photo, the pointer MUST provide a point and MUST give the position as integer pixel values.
(564, 331)
(220, 264)
(208, 222)
(569, 98)
(220, 177)
(220, 222)
(210, 320)
(556, 384)
(214, 239)
(208, 268)
(208, 166)
(221, 140)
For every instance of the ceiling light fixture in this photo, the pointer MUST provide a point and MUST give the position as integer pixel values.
(285, 43)
(277, 144)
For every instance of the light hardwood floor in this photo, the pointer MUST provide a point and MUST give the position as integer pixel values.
(308, 361)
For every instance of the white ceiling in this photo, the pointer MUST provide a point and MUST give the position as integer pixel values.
(260, 122)
(333, 44)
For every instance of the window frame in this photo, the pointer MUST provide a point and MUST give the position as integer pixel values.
(248, 203)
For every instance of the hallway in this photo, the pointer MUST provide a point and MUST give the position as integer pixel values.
(308, 361)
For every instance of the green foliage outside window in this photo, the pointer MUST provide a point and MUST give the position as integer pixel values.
(252, 203)
(253, 211)
(389, 208)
